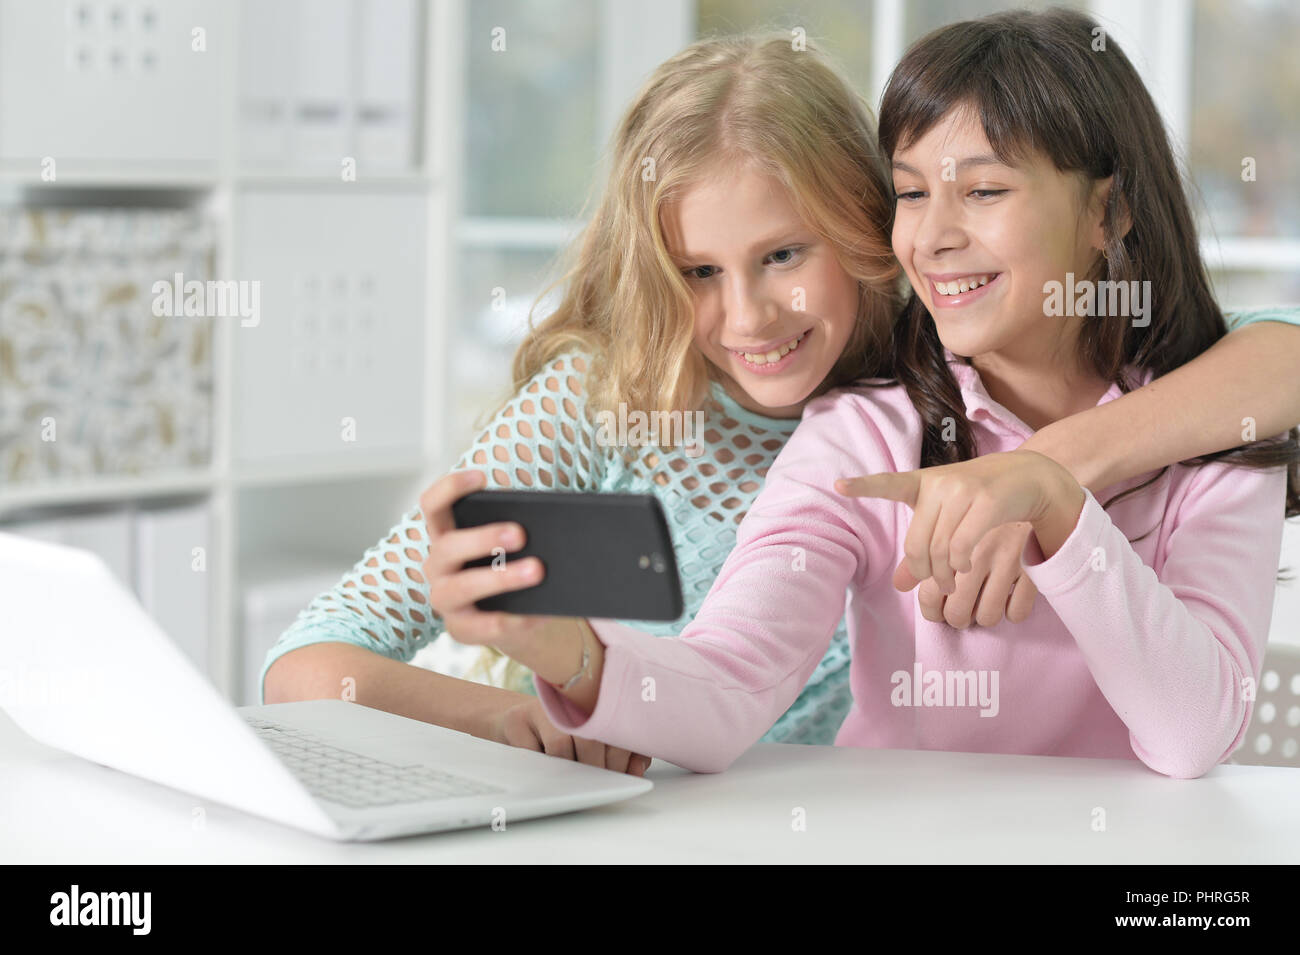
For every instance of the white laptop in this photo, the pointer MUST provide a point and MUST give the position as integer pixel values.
(89, 672)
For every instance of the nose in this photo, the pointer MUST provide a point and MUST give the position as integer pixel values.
(940, 228)
(750, 309)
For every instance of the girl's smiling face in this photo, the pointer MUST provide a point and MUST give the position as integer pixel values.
(978, 239)
(774, 309)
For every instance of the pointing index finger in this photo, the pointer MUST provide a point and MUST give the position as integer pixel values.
(892, 486)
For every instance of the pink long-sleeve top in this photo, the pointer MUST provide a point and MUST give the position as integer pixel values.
(1145, 641)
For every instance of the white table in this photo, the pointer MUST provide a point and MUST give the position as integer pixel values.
(861, 805)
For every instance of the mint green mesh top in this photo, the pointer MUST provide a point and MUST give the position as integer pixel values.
(542, 440)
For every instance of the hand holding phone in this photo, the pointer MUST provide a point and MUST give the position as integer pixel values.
(603, 555)
(452, 588)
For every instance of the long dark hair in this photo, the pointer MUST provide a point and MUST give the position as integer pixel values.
(1038, 85)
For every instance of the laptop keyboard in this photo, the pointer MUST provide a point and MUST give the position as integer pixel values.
(361, 782)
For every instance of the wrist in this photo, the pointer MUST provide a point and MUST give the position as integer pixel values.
(567, 650)
(490, 723)
(580, 682)
(1064, 506)
(465, 705)
(1068, 443)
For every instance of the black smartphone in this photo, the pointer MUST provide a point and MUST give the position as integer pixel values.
(605, 555)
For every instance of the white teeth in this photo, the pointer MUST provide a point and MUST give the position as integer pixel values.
(776, 354)
(958, 286)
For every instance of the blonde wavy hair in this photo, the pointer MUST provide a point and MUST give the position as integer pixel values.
(721, 103)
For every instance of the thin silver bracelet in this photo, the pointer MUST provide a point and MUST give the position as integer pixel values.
(586, 661)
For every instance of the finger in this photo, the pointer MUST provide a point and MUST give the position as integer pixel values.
(456, 593)
(617, 759)
(638, 765)
(949, 519)
(589, 751)
(960, 604)
(997, 593)
(1023, 595)
(902, 486)
(903, 579)
(916, 544)
(985, 514)
(436, 501)
(555, 742)
(456, 548)
(931, 600)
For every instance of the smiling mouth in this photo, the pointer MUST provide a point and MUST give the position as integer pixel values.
(772, 355)
(965, 283)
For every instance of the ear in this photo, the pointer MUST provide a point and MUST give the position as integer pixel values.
(1097, 211)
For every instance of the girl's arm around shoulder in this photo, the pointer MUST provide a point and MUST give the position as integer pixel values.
(1245, 382)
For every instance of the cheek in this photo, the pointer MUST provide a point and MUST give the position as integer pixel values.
(1047, 262)
(898, 238)
(1038, 247)
(831, 293)
(704, 326)
(903, 233)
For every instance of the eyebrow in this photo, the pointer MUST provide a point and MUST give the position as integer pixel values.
(775, 240)
(981, 160)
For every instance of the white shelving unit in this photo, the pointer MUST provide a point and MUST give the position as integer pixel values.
(274, 514)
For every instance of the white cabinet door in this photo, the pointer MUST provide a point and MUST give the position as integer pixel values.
(334, 368)
(97, 80)
(172, 574)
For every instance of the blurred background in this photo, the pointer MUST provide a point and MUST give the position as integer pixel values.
(371, 193)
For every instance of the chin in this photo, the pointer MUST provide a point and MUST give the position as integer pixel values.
(963, 346)
(781, 395)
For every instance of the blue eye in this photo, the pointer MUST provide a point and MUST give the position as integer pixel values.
(793, 250)
(908, 195)
(981, 193)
